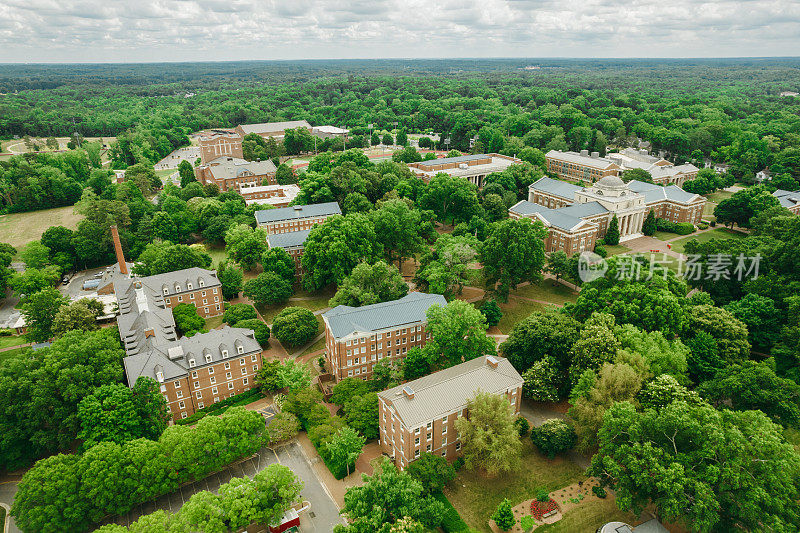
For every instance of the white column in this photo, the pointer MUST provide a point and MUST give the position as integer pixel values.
(624, 230)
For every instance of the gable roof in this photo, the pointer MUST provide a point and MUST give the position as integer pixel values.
(655, 193)
(579, 159)
(450, 389)
(787, 198)
(344, 320)
(227, 167)
(564, 218)
(296, 212)
(273, 127)
(559, 188)
(290, 239)
(448, 160)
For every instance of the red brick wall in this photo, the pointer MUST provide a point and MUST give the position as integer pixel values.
(208, 304)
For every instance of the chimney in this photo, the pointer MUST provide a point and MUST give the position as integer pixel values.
(409, 392)
(492, 361)
(584, 152)
(595, 155)
(123, 268)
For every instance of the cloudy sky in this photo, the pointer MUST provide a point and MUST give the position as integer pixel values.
(221, 30)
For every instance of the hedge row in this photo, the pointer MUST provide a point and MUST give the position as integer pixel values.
(681, 228)
(73, 492)
(451, 520)
(219, 408)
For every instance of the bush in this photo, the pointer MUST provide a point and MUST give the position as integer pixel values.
(259, 328)
(554, 437)
(283, 426)
(713, 223)
(681, 228)
(60, 492)
(527, 522)
(451, 520)
(238, 312)
(702, 225)
(522, 425)
(219, 408)
(492, 312)
(601, 250)
(504, 516)
(458, 464)
(542, 495)
(295, 326)
(433, 471)
(599, 491)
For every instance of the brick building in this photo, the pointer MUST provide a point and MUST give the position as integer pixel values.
(232, 173)
(358, 337)
(662, 171)
(296, 217)
(473, 168)
(420, 415)
(271, 129)
(293, 242)
(577, 217)
(219, 143)
(583, 166)
(274, 195)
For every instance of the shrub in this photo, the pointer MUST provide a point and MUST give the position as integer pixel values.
(458, 464)
(295, 326)
(522, 425)
(702, 225)
(238, 312)
(433, 471)
(599, 491)
(542, 495)
(492, 312)
(601, 250)
(504, 516)
(219, 408)
(283, 426)
(554, 437)
(713, 223)
(527, 522)
(451, 520)
(681, 228)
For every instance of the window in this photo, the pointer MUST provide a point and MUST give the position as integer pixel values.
(350, 373)
(244, 381)
(214, 390)
(198, 394)
(200, 405)
(348, 343)
(204, 292)
(180, 394)
(458, 446)
(177, 384)
(216, 399)
(380, 336)
(254, 358)
(444, 430)
(444, 441)
(244, 371)
(416, 441)
(191, 362)
(428, 448)
(196, 384)
(429, 425)
(255, 369)
(166, 291)
(227, 365)
(416, 454)
(227, 375)
(241, 361)
(213, 380)
(240, 349)
(230, 385)
(180, 298)
(210, 370)
(224, 353)
(184, 415)
(444, 420)
(191, 296)
(444, 453)
(358, 371)
(181, 405)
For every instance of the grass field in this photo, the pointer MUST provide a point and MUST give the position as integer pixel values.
(719, 233)
(319, 345)
(588, 517)
(213, 322)
(718, 196)
(10, 354)
(316, 302)
(515, 311)
(665, 235)
(217, 254)
(18, 229)
(548, 290)
(13, 340)
(616, 249)
(477, 497)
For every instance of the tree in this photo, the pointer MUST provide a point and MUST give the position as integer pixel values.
(246, 245)
(80, 315)
(554, 437)
(186, 172)
(187, 321)
(433, 471)
(416, 364)
(664, 390)
(268, 288)
(117, 413)
(284, 175)
(260, 329)
(450, 198)
(728, 332)
(297, 141)
(238, 312)
(542, 334)
(33, 280)
(513, 252)
(230, 276)
(40, 310)
(649, 225)
(398, 228)
(458, 334)
(488, 437)
(361, 414)
(334, 248)
(612, 233)
(446, 268)
(277, 260)
(762, 318)
(684, 457)
(35, 255)
(345, 447)
(504, 516)
(295, 326)
(388, 140)
(491, 311)
(347, 389)
(282, 427)
(386, 497)
(559, 265)
(268, 377)
(370, 284)
(752, 385)
(543, 381)
(163, 256)
(41, 392)
(637, 174)
(744, 205)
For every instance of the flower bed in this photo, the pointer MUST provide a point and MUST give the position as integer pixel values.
(539, 509)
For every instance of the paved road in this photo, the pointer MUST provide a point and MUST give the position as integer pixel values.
(324, 510)
(7, 491)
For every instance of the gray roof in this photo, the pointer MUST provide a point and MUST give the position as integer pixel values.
(588, 209)
(290, 239)
(274, 127)
(174, 282)
(655, 193)
(296, 212)
(448, 390)
(787, 198)
(554, 217)
(144, 319)
(578, 159)
(226, 167)
(411, 308)
(172, 358)
(559, 188)
(448, 160)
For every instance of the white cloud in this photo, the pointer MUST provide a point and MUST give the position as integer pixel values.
(167, 30)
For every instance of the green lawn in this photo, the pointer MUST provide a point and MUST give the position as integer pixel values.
(317, 301)
(515, 311)
(213, 322)
(13, 340)
(217, 254)
(616, 249)
(548, 290)
(719, 233)
(665, 235)
(319, 345)
(476, 497)
(18, 229)
(588, 517)
(10, 354)
(708, 209)
(718, 196)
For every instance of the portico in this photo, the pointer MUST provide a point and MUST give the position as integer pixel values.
(612, 193)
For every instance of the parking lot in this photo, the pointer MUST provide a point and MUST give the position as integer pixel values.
(322, 516)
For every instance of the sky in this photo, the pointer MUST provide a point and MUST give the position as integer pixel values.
(75, 31)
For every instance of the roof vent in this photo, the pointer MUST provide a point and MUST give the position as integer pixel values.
(175, 352)
(492, 361)
(149, 333)
(595, 155)
(298, 208)
(409, 392)
(584, 152)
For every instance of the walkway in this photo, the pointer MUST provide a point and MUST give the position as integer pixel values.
(537, 413)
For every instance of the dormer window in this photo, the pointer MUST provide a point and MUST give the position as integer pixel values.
(224, 353)
(189, 285)
(191, 362)
(208, 358)
(202, 283)
(240, 349)
(160, 377)
(166, 290)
